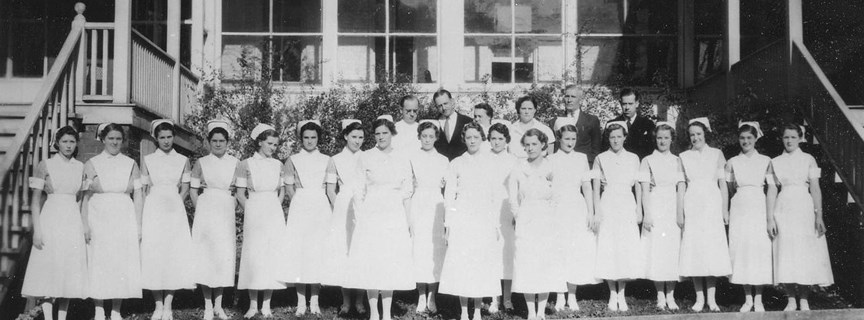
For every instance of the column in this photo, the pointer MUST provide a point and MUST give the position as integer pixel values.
(732, 38)
(452, 41)
(197, 38)
(796, 25)
(173, 46)
(122, 49)
(329, 43)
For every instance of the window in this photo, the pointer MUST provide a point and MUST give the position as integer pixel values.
(708, 46)
(380, 39)
(513, 41)
(629, 41)
(279, 37)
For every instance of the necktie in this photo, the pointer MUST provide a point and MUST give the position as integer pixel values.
(447, 128)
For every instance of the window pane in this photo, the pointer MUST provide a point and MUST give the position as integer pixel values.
(296, 16)
(297, 59)
(412, 16)
(533, 16)
(414, 59)
(242, 56)
(361, 15)
(361, 59)
(636, 61)
(488, 58)
(601, 16)
(708, 17)
(762, 22)
(709, 56)
(245, 15)
(488, 16)
(643, 16)
(539, 59)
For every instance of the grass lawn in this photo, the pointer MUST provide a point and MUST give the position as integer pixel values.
(592, 302)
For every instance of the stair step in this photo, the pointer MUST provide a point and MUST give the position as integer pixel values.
(14, 110)
(9, 126)
(858, 114)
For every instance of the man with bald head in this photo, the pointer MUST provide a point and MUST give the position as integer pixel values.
(589, 135)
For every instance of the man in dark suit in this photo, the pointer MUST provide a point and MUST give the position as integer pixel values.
(589, 135)
(449, 142)
(639, 128)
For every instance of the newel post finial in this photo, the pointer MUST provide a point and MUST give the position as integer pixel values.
(79, 18)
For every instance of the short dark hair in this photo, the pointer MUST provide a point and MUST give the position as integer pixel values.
(409, 97)
(263, 137)
(164, 126)
(310, 126)
(351, 128)
(473, 125)
(384, 122)
(566, 128)
(502, 129)
(700, 125)
(534, 132)
(628, 91)
(66, 131)
(486, 107)
(427, 125)
(112, 127)
(749, 129)
(792, 126)
(221, 131)
(612, 127)
(441, 92)
(571, 86)
(522, 100)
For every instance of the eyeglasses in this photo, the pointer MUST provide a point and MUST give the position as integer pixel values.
(411, 110)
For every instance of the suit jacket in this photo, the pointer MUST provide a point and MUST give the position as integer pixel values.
(639, 136)
(588, 139)
(455, 147)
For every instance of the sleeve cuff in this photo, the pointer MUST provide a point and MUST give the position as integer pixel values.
(730, 177)
(37, 183)
(144, 180)
(195, 183)
(815, 173)
(643, 176)
(240, 183)
(86, 184)
(136, 183)
(721, 174)
(289, 180)
(186, 177)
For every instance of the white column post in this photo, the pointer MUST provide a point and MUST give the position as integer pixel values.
(173, 46)
(732, 43)
(329, 43)
(733, 33)
(452, 42)
(81, 63)
(197, 41)
(122, 50)
(571, 45)
(796, 25)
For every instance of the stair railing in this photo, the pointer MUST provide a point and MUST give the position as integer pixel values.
(50, 110)
(832, 121)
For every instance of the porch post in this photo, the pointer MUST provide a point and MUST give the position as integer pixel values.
(197, 41)
(732, 43)
(173, 46)
(795, 22)
(122, 49)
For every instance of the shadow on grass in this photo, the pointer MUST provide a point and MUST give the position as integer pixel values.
(641, 296)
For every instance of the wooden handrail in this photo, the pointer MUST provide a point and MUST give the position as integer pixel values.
(826, 84)
(43, 98)
(152, 47)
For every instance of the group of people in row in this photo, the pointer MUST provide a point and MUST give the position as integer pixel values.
(470, 208)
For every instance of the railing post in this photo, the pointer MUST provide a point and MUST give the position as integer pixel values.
(122, 49)
(174, 51)
(80, 65)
